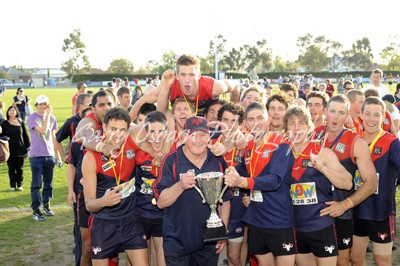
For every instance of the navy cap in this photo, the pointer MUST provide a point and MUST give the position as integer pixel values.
(196, 123)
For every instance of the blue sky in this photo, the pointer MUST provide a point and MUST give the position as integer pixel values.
(33, 31)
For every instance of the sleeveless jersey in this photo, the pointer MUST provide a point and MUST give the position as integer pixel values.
(204, 93)
(146, 173)
(107, 172)
(386, 157)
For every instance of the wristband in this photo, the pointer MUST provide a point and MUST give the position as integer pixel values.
(351, 202)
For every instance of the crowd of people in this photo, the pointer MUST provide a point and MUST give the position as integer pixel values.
(311, 169)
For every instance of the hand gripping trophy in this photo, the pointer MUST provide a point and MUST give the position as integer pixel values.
(210, 185)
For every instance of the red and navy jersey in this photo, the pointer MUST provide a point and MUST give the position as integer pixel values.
(343, 147)
(233, 158)
(68, 128)
(269, 170)
(186, 217)
(146, 173)
(310, 190)
(204, 94)
(77, 152)
(108, 170)
(386, 157)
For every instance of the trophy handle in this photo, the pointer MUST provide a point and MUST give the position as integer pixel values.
(222, 194)
(201, 193)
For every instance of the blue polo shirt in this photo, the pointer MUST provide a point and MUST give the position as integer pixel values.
(184, 220)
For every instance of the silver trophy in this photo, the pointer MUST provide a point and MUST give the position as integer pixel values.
(210, 185)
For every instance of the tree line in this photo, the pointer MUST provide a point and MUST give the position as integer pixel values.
(316, 53)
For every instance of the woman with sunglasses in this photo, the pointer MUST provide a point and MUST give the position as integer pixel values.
(21, 100)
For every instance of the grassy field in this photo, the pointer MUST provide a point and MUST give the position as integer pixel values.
(24, 241)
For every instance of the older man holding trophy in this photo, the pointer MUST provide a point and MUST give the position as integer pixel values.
(190, 189)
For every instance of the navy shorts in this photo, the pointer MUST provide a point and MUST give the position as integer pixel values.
(280, 242)
(344, 232)
(322, 243)
(152, 227)
(236, 229)
(109, 237)
(204, 257)
(377, 231)
(83, 214)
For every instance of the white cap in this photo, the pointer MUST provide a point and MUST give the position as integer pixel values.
(42, 99)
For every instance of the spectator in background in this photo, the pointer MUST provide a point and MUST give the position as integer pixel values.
(126, 83)
(81, 86)
(149, 85)
(376, 78)
(329, 88)
(340, 85)
(360, 81)
(156, 80)
(1, 112)
(397, 93)
(347, 85)
(20, 100)
(389, 101)
(42, 155)
(3, 90)
(322, 87)
(117, 84)
(290, 90)
(124, 95)
(137, 95)
(19, 142)
(307, 89)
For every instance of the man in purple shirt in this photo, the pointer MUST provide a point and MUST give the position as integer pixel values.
(42, 125)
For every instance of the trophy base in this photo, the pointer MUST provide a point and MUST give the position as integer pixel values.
(214, 234)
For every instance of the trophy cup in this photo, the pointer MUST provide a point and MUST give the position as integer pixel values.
(210, 184)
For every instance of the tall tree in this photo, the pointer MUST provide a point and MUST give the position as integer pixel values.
(360, 56)
(219, 43)
(235, 60)
(314, 52)
(120, 66)
(78, 62)
(167, 61)
(391, 53)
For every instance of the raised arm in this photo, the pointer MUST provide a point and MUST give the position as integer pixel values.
(223, 86)
(167, 79)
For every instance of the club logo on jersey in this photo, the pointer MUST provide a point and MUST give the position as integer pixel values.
(330, 249)
(377, 150)
(340, 147)
(107, 166)
(266, 153)
(247, 160)
(346, 241)
(287, 246)
(306, 163)
(237, 159)
(130, 154)
(238, 230)
(382, 236)
(96, 250)
(104, 158)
